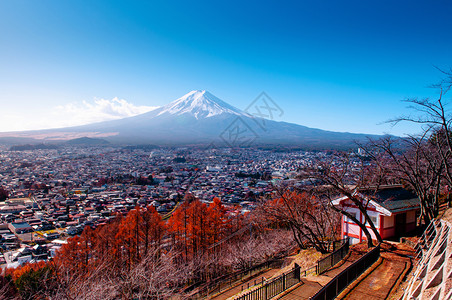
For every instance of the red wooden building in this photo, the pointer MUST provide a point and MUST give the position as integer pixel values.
(393, 211)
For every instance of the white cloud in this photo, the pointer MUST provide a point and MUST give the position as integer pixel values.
(71, 114)
(99, 110)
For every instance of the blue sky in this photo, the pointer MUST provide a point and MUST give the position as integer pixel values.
(334, 65)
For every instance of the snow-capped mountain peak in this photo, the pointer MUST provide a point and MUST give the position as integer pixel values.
(201, 104)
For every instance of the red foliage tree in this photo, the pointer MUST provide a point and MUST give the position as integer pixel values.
(196, 226)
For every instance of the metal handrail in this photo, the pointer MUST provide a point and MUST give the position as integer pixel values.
(347, 276)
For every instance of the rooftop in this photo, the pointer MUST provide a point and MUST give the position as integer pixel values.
(396, 198)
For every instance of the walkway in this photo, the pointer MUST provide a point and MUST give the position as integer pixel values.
(251, 282)
(379, 283)
(313, 283)
(305, 259)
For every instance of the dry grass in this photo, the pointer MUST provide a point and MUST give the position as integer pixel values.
(305, 259)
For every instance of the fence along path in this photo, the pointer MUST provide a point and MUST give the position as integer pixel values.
(254, 281)
(347, 276)
(279, 284)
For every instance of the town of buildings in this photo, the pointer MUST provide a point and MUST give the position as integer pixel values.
(55, 193)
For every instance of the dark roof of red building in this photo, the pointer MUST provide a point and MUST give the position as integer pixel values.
(395, 198)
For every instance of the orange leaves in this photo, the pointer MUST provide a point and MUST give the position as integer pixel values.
(74, 255)
(139, 231)
(128, 234)
(196, 226)
(124, 241)
(293, 200)
(217, 221)
(152, 228)
(34, 280)
(18, 272)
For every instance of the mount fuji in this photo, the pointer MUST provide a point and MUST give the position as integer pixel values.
(200, 118)
(199, 104)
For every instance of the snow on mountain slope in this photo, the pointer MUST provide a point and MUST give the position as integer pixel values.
(199, 118)
(200, 104)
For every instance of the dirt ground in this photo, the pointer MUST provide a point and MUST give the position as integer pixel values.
(381, 283)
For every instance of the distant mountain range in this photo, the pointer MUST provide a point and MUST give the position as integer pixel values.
(198, 118)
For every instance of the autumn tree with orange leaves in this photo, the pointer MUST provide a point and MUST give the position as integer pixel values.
(140, 230)
(121, 243)
(141, 256)
(217, 221)
(195, 226)
(34, 280)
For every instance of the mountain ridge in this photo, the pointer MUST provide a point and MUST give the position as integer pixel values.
(199, 117)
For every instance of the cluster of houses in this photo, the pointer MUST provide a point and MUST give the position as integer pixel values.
(56, 193)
